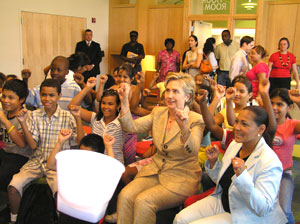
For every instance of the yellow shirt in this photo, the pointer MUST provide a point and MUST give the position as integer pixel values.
(225, 53)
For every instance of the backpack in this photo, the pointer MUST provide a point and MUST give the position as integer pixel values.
(37, 206)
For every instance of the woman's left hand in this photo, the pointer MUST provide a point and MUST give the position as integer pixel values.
(181, 119)
(238, 165)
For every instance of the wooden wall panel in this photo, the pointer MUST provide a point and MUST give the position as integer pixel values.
(175, 28)
(46, 36)
(121, 22)
(281, 23)
(158, 30)
(296, 48)
(164, 23)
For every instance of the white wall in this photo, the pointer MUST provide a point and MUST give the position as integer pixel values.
(10, 26)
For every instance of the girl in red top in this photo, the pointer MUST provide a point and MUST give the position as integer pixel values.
(283, 143)
(260, 70)
(280, 65)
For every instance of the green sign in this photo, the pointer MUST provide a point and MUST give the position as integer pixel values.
(216, 6)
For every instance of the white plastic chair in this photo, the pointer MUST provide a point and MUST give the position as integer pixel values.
(86, 182)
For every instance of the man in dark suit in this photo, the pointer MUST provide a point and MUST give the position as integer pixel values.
(93, 50)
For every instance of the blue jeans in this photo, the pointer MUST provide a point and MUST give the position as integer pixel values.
(286, 195)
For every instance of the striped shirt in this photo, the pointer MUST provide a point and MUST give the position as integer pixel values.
(112, 129)
(45, 132)
(69, 89)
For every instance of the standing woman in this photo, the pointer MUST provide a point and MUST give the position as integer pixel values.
(174, 172)
(260, 70)
(193, 57)
(281, 64)
(168, 60)
(208, 52)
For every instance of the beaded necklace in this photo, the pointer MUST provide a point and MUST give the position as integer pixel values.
(287, 62)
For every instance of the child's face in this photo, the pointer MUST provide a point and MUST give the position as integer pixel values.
(59, 70)
(49, 97)
(280, 107)
(109, 106)
(242, 95)
(123, 77)
(11, 101)
(199, 79)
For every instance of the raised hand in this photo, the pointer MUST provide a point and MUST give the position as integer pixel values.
(103, 79)
(146, 92)
(64, 135)
(26, 73)
(212, 154)
(264, 86)
(108, 140)
(123, 91)
(294, 95)
(22, 115)
(201, 95)
(238, 165)
(75, 110)
(213, 85)
(230, 93)
(78, 78)
(181, 118)
(91, 82)
(220, 91)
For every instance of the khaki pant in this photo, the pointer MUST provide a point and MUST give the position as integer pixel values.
(25, 176)
(139, 201)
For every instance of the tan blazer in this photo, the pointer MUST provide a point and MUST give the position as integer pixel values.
(175, 163)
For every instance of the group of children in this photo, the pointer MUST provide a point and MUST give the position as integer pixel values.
(31, 139)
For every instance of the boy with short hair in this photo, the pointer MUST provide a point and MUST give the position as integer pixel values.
(41, 131)
(59, 68)
(15, 152)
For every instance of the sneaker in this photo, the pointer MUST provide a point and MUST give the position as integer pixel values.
(111, 218)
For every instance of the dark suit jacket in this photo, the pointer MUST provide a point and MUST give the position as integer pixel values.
(94, 53)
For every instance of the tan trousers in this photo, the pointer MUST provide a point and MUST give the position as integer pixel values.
(139, 201)
(25, 176)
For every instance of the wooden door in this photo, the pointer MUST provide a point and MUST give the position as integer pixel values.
(46, 36)
(281, 23)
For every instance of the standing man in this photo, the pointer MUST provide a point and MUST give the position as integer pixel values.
(240, 62)
(93, 50)
(133, 52)
(224, 54)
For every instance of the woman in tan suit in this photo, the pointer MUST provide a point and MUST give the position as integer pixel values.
(174, 173)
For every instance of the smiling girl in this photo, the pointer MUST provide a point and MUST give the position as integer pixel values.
(239, 94)
(283, 143)
(105, 121)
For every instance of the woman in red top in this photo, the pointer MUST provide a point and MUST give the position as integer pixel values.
(280, 65)
(260, 70)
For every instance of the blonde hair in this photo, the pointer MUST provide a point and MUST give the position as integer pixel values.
(187, 83)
